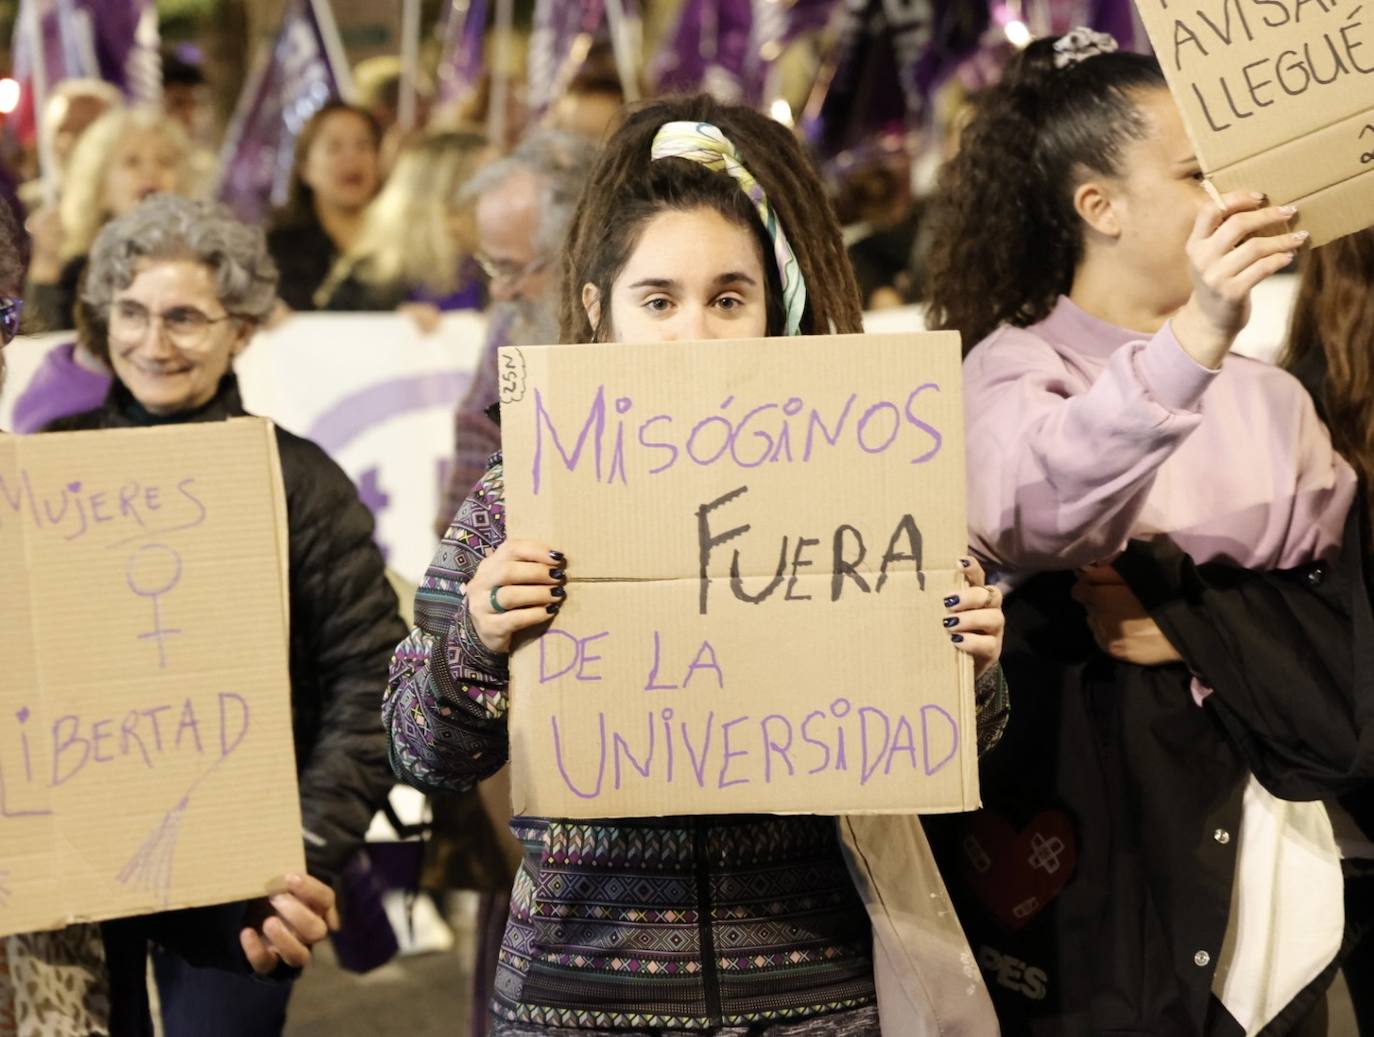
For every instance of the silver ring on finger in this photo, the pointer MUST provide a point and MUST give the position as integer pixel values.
(496, 605)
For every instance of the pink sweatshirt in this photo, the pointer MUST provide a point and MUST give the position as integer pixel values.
(1082, 435)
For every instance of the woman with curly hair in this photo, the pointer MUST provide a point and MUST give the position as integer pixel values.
(1100, 291)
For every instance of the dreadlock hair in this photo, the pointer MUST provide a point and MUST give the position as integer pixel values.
(1006, 239)
(1333, 327)
(626, 189)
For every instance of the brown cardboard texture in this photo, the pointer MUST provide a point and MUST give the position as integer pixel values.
(759, 538)
(1278, 97)
(146, 758)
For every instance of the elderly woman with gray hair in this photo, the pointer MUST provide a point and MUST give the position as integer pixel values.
(180, 287)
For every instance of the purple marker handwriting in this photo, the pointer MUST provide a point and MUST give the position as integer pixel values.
(150, 868)
(153, 571)
(134, 510)
(613, 442)
(863, 742)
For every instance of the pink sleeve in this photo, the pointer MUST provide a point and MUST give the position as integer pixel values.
(1324, 487)
(1057, 475)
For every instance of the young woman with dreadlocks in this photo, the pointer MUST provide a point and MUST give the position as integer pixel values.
(699, 221)
(1101, 290)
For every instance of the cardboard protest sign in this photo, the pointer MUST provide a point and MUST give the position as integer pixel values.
(146, 756)
(1278, 97)
(759, 535)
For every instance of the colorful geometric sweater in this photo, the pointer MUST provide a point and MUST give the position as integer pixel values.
(675, 923)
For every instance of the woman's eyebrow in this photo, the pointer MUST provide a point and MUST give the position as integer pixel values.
(736, 277)
(656, 282)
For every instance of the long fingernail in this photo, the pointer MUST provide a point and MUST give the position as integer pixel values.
(951, 601)
(1288, 210)
(958, 639)
(1301, 236)
(558, 592)
(294, 879)
(556, 574)
(1257, 196)
(558, 556)
(951, 621)
(553, 609)
(1289, 258)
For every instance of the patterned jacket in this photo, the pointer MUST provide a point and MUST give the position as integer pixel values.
(674, 923)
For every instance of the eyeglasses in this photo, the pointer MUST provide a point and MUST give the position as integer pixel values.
(185, 326)
(10, 312)
(499, 270)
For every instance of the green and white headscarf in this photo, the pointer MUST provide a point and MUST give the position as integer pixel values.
(704, 143)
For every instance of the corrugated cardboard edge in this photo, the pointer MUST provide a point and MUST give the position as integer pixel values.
(283, 528)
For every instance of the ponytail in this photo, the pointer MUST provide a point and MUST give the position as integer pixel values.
(1006, 239)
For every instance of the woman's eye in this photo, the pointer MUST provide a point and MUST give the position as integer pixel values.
(658, 304)
(729, 302)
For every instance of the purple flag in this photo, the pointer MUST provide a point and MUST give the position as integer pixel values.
(292, 81)
(563, 33)
(114, 40)
(460, 67)
(707, 49)
(726, 47)
(887, 57)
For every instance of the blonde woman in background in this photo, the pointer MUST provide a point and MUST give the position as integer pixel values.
(124, 157)
(415, 251)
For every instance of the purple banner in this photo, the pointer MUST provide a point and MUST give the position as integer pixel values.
(726, 47)
(460, 66)
(563, 31)
(294, 82)
(887, 57)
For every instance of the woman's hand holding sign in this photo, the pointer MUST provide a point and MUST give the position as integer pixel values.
(1231, 250)
(518, 586)
(284, 927)
(975, 621)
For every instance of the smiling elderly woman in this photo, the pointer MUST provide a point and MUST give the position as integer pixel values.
(182, 286)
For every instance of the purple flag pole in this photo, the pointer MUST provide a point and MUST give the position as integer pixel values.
(500, 75)
(461, 64)
(410, 63)
(32, 27)
(623, 33)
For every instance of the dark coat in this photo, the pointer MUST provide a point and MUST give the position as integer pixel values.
(1133, 794)
(304, 254)
(344, 624)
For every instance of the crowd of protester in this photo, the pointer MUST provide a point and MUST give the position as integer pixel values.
(1175, 540)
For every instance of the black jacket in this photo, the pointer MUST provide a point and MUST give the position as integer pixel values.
(1096, 884)
(344, 624)
(304, 254)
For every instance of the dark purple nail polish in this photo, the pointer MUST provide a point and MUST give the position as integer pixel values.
(553, 609)
(951, 621)
(558, 592)
(951, 601)
(958, 639)
(556, 574)
(558, 556)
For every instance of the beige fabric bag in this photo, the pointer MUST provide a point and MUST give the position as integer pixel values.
(927, 979)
